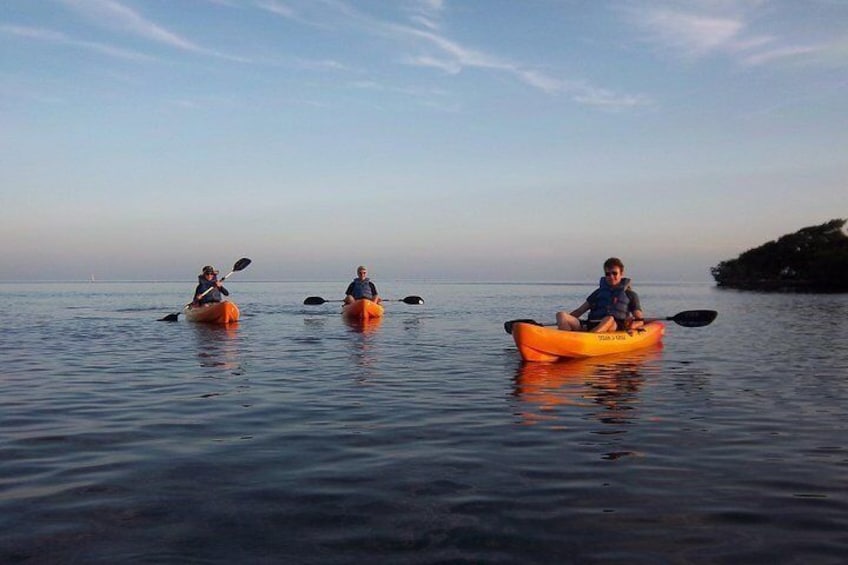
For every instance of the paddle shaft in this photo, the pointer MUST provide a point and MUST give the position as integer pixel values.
(317, 300)
(687, 318)
(208, 290)
(239, 265)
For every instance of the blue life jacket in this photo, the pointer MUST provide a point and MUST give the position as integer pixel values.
(362, 289)
(611, 301)
(213, 295)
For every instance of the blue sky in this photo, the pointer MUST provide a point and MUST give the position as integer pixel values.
(430, 139)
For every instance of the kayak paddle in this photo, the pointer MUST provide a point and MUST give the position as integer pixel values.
(409, 300)
(314, 300)
(687, 318)
(239, 265)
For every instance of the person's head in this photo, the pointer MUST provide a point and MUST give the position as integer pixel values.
(362, 271)
(209, 271)
(613, 270)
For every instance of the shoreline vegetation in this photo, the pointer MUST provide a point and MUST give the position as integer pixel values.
(813, 259)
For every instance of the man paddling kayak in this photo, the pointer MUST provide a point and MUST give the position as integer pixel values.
(613, 306)
(361, 287)
(208, 279)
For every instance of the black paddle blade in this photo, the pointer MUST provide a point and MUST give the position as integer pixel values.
(171, 317)
(312, 300)
(508, 325)
(413, 300)
(241, 264)
(694, 318)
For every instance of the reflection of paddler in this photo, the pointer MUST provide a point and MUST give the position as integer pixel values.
(610, 381)
(363, 346)
(218, 345)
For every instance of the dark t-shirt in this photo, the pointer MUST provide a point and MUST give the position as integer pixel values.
(350, 288)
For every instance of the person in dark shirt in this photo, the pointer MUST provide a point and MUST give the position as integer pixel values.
(612, 306)
(208, 279)
(361, 287)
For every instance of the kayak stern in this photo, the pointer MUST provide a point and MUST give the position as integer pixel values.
(225, 312)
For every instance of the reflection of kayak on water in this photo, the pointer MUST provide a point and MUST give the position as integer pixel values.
(610, 381)
(539, 343)
(365, 326)
(224, 312)
(218, 346)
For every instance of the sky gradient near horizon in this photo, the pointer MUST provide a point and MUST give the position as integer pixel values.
(489, 140)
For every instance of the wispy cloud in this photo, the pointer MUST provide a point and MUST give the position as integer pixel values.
(318, 65)
(419, 41)
(277, 8)
(118, 18)
(779, 53)
(59, 38)
(115, 16)
(696, 34)
(428, 13)
(302, 14)
(603, 98)
(426, 46)
(454, 57)
(702, 29)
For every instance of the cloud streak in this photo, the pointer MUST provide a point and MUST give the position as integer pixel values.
(435, 50)
(420, 42)
(117, 18)
(700, 30)
(455, 57)
(59, 38)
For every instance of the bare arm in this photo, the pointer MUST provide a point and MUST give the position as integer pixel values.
(637, 321)
(580, 310)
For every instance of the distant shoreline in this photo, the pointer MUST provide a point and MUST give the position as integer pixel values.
(334, 281)
(768, 285)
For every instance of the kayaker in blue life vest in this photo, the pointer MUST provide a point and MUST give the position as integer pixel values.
(207, 279)
(361, 287)
(613, 306)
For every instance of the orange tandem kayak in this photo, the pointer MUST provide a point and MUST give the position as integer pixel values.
(538, 343)
(224, 312)
(362, 309)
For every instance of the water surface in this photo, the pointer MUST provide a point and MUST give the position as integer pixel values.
(295, 437)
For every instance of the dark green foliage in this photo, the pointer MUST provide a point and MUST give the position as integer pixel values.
(812, 259)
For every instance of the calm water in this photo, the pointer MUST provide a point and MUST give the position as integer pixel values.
(294, 437)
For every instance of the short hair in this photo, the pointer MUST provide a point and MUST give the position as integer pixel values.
(614, 262)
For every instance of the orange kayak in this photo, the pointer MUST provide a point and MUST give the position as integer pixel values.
(362, 309)
(538, 343)
(216, 313)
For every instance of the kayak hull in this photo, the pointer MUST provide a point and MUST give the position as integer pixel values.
(538, 343)
(225, 312)
(362, 309)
